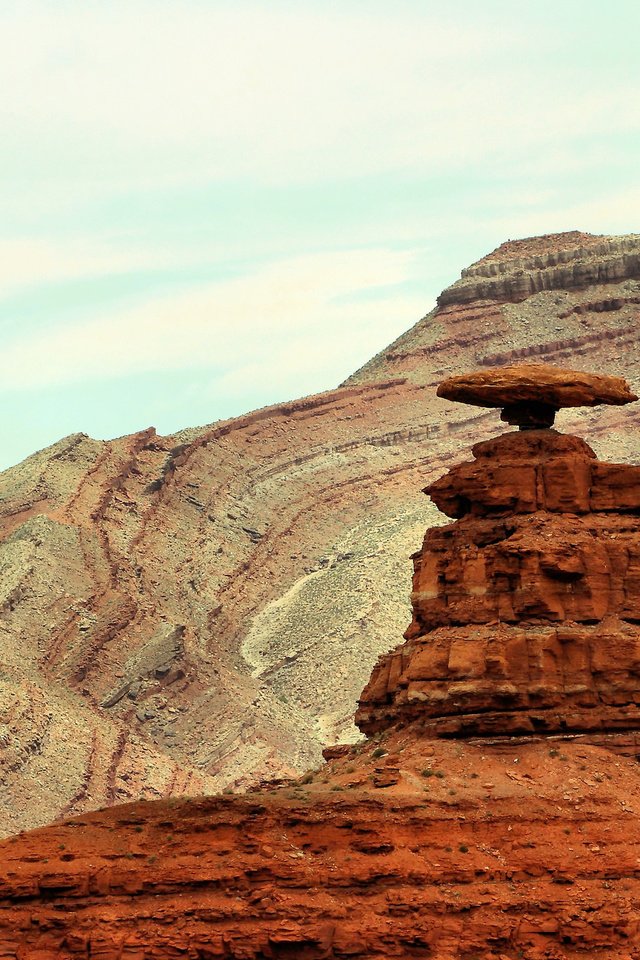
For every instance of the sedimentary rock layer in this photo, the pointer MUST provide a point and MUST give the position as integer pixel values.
(579, 261)
(526, 609)
(189, 612)
(401, 848)
(536, 383)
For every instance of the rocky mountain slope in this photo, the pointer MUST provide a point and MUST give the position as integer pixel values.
(493, 810)
(183, 614)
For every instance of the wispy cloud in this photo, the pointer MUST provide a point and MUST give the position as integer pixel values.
(289, 313)
(156, 90)
(32, 261)
(153, 144)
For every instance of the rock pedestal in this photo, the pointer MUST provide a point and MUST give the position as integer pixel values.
(526, 609)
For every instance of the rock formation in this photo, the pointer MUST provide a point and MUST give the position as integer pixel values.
(492, 813)
(526, 609)
(187, 613)
(517, 270)
(532, 395)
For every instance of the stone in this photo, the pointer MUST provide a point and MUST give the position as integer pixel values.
(525, 610)
(531, 394)
(522, 268)
(104, 533)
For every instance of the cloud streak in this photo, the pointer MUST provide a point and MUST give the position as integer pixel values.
(293, 312)
(161, 91)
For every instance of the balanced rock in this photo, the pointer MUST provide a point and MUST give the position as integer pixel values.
(532, 394)
(108, 546)
(526, 609)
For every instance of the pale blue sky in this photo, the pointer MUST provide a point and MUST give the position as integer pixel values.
(210, 206)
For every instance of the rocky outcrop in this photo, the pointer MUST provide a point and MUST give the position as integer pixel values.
(525, 610)
(536, 383)
(398, 848)
(573, 264)
(531, 395)
(493, 812)
(271, 548)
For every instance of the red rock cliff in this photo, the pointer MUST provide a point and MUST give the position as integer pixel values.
(526, 609)
(489, 815)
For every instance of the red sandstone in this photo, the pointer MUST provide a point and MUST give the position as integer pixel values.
(536, 383)
(493, 811)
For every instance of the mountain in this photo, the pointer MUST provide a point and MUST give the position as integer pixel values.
(491, 810)
(185, 614)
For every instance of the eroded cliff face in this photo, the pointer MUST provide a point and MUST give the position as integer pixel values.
(525, 610)
(516, 270)
(493, 810)
(401, 847)
(180, 614)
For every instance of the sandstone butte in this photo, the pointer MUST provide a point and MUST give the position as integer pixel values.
(493, 810)
(185, 614)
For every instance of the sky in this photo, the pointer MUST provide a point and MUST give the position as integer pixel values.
(207, 206)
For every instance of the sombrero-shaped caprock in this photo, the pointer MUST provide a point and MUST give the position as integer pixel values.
(531, 394)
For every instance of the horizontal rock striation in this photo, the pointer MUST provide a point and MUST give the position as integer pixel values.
(540, 471)
(398, 848)
(526, 610)
(578, 266)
